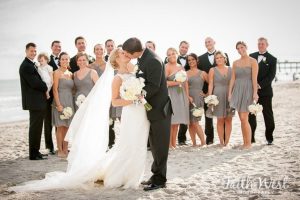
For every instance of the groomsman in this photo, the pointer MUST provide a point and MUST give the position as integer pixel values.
(56, 49)
(80, 44)
(34, 99)
(207, 61)
(109, 46)
(266, 74)
(150, 45)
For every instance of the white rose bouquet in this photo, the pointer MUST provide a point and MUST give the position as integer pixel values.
(80, 99)
(211, 101)
(66, 113)
(197, 111)
(255, 108)
(181, 77)
(132, 89)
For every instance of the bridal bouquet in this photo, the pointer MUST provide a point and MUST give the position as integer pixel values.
(255, 108)
(132, 89)
(211, 101)
(181, 77)
(197, 111)
(80, 99)
(66, 113)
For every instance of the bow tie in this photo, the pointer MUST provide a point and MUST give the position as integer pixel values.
(262, 54)
(182, 57)
(211, 54)
(56, 58)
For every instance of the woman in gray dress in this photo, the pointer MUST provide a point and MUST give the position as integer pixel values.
(243, 89)
(196, 79)
(219, 79)
(99, 64)
(179, 93)
(63, 97)
(85, 78)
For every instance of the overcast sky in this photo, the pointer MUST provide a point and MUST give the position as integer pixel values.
(165, 22)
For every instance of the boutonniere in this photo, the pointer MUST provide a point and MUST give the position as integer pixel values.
(265, 60)
(135, 69)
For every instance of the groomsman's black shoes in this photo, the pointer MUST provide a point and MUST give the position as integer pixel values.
(269, 142)
(42, 155)
(38, 158)
(181, 143)
(154, 187)
(51, 152)
(146, 182)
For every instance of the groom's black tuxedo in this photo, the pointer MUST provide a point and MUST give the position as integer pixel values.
(152, 69)
(33, 91)
(205, 65)
(266, 74)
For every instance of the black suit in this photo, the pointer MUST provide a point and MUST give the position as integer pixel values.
(205, 65)
(34, 99)
(266, 74)
(152, 69)
(73, 64)
(52, 63)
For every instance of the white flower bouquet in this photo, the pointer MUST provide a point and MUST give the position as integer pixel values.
(255, 108)
(132, 89)
(80, 99)
(66, 113)
(197, 111)
(211, 101)
(181, 77)
(111, 121)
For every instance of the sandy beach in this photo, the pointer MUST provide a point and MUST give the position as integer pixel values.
(263, 172)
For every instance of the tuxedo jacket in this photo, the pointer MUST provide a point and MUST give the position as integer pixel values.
(205, 65)
(52, 63)
(266, 74)
(186, 67)
(152, 69)
(73, 64)
(33, 89)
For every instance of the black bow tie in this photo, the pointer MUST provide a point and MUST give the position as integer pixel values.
(262, 54)
(56, 58)
(182, 57)
(211, 54)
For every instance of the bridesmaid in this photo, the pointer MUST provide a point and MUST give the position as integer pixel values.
(63, 97)
(196, 79)
(179, 100)
(85, 78)
(243, 89)
(99, 64)
(219, 79)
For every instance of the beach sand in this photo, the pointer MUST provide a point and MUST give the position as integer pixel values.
(263, 172)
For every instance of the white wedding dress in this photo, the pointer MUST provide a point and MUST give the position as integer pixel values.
(88, 160)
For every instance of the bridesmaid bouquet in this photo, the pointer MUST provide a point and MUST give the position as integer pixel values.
(255, 108)
(80, 99)
(181, 77)
(132, 89)
(211, 101)
(197, 111)
(66, 113)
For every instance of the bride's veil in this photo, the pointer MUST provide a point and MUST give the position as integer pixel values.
(88, 134)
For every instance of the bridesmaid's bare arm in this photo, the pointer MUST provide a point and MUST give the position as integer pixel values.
(211, 81)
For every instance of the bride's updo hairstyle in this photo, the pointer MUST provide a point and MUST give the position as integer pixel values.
(114, 54)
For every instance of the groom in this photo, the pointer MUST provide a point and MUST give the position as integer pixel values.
(152, 69)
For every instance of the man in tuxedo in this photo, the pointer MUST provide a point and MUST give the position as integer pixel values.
(266, 74)
(56, 49)
(34, 99)
(207, 61)
(152, 69)
(151, 45)
(80, 44)
(109, 46)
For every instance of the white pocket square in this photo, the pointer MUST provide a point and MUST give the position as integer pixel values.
(140, 72)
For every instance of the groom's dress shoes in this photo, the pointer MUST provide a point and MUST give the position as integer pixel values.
(37, 158)
(146, 182)
(154, 187)
(42, 155)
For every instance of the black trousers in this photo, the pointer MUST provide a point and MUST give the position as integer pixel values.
(111, 139)
(209, 128)
(159, 138)
(182, 133)
(266, 103)
(48, 127)
(36, 118)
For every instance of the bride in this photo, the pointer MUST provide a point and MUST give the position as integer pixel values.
(88, 160)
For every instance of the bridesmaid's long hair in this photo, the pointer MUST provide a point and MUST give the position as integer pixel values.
(187, 66)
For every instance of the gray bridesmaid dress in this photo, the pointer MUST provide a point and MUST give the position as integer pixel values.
(97, 68)
(195, 88)
(242, 94)
(180, 104)
(83, 86)
(220, 89)
(65, 94)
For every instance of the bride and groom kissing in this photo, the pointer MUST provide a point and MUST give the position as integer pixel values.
(123, 165)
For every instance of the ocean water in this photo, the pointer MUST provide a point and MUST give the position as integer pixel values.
(10, 102)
